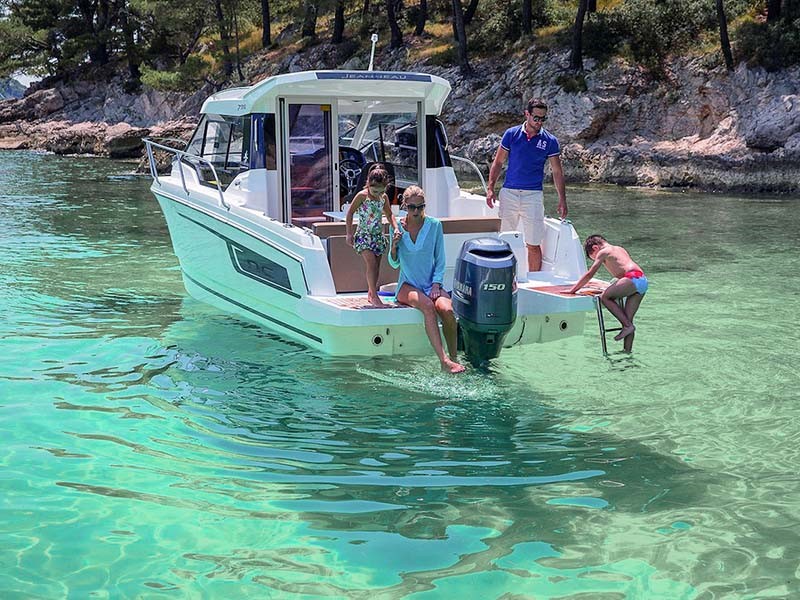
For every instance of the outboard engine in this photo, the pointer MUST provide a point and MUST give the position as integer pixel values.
(485, 296)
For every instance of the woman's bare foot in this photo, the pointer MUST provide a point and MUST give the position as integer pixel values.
(626, 331)
(376, 301)
(452, 366)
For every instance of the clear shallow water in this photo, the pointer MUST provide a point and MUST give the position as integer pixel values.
(154, 448)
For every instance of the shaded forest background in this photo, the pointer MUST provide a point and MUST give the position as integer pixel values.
(182, 44)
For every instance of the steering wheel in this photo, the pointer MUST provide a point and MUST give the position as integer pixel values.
(351, 163)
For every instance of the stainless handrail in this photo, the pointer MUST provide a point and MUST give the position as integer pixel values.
(474, 166)
(180, 154)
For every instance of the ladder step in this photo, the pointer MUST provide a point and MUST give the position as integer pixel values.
(602, 325)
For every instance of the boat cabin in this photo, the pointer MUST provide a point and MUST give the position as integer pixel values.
(298, 146)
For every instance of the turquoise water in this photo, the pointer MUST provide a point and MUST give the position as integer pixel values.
(154, 448)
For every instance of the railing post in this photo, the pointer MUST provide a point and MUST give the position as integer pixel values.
(477, 170)
(180, 154)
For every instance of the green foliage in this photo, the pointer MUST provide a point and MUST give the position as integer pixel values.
(603, 36)
(184, 79)
(502, 25)
(168, 37)
(654, 30)
(22, 48)
(554, 12)
(770, 45)
(446, 58)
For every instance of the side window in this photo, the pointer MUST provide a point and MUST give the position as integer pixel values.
(225, 143)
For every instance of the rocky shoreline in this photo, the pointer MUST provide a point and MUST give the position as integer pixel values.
(703, 127)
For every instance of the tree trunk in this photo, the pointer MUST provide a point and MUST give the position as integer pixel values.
(790, 10)
(397, 35)
(96, 18)
(470, 12)
(266, 23)
(236, 38)
(338, 23)
(527, 17)
(576, 57)
(422, 17)
(723, 35)
(131, 51)
(310, 19)
(224, 38)
(460, 31)
(773, 10)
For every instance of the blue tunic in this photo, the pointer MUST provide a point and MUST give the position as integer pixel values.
(526, 157)
(422, 262)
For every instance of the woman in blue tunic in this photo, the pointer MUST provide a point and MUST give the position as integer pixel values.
(418, 250)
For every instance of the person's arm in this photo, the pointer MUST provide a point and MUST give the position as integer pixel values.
(494, 174)
(387, 212)
(357, 200)
(587, 276)
(397, 234)
(558, 181)
(439, 262)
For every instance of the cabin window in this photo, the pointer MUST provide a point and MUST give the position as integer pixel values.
(392, 138)
(223, 141)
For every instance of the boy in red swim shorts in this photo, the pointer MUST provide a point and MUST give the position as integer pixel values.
(631, 283)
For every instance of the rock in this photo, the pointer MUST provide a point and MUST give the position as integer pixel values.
(123, 141)
(43, 103)
(12, 138)
(703, 127)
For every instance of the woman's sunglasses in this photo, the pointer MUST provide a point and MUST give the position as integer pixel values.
(415, 206)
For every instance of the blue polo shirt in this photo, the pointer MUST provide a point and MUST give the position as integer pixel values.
(526, 157)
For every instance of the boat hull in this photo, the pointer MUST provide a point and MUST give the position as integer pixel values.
(268, 275)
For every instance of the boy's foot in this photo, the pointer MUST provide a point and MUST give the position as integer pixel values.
(376, 302)
(452, 366)
(626, 331)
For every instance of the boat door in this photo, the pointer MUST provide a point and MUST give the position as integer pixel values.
(307, 165)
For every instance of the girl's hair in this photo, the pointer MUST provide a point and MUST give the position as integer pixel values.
(413, 191)
(591, 241)
(378, 175)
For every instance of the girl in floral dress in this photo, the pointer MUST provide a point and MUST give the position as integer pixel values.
(371, 204)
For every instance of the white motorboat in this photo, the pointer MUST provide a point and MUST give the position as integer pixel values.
(255, 207)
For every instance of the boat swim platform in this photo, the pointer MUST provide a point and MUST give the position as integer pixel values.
(357, 302)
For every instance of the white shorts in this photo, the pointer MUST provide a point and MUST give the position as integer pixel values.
(526, 205)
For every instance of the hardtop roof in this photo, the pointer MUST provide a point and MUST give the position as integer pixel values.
(354, 85)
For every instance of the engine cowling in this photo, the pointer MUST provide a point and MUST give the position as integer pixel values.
(485, 296)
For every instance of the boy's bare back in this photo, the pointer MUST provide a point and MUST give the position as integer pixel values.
(616, 260)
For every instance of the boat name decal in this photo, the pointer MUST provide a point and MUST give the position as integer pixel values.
(374, 75)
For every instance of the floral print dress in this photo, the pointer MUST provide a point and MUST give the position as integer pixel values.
(369, 233)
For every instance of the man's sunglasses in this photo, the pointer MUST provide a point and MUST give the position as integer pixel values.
(537, 119)
(415, 206)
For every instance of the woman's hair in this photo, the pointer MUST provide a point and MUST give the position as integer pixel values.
(378, 175)
(413, 191)
(591, 241)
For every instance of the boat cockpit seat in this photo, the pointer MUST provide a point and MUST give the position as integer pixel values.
(453, 225)
(347, 267)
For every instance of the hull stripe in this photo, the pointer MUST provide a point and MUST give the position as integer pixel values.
(255, 312)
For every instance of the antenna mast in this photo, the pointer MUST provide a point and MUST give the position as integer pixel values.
(374, 39)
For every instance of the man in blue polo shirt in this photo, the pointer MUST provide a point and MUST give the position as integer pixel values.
(527, 147)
